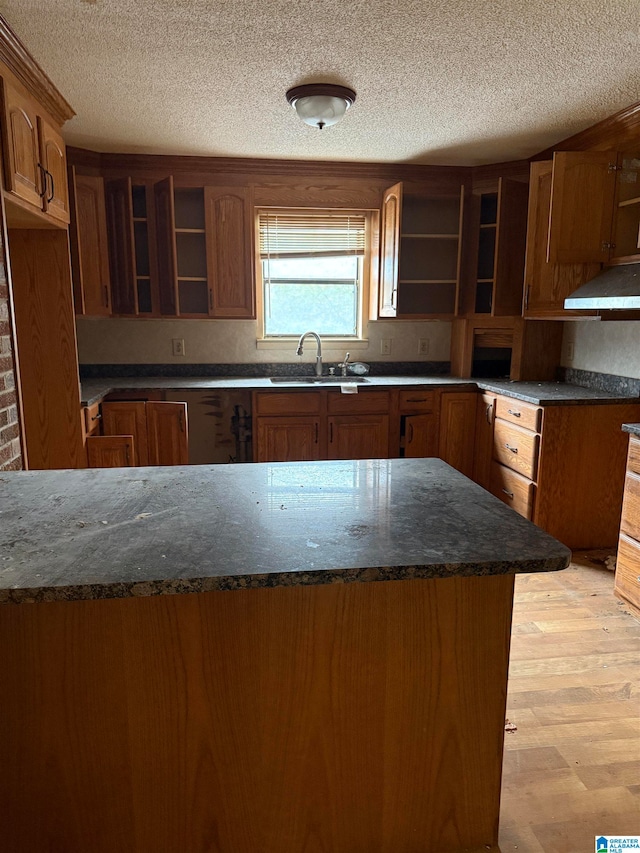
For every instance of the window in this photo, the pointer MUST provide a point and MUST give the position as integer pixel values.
(314, 269)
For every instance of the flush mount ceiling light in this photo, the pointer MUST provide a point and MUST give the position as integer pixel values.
(321, 104)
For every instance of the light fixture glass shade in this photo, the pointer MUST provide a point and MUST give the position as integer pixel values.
(321, 104)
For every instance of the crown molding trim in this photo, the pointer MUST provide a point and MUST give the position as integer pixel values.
(612, 132)
(173, 164)
(24, 67)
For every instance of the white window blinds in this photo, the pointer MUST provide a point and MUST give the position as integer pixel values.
(312, 233)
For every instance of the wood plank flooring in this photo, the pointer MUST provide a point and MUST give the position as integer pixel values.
(572, 767)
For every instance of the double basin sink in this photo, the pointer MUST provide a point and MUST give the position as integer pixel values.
(318, 380)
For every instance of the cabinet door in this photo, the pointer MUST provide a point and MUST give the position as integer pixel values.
(511, 235)
(483, 449)
(287, 439)
(457, 430)
(390, 251)
(54, 159)
(89, 251)
(46, 348)
(166, 231)
(358, 437)
(167, 433)
(122, 261)
(23, 174)
(583, 187)
(420, 435)
(230, 251)
(110, 451)
(128, 418)
(547, 284)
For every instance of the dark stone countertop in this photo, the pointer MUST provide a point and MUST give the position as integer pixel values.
(114, 533)
(553, 393)
(633, 429)
(538, 393)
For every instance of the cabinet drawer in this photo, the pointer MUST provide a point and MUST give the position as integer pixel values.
(417, 401)
(627, 582)
(516, 448)
(633, 460)
(92, 418)
(630, 522)
(287, 403)
(513, 489)
(368, 402)
(516, 412)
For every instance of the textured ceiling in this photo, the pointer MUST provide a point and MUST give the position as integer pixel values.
(437, 81)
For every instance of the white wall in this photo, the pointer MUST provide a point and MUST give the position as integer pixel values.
(610, 346)
(135, 341)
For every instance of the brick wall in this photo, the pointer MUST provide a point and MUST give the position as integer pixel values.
(10, 455)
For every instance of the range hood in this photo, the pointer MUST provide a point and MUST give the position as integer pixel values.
(616, 288)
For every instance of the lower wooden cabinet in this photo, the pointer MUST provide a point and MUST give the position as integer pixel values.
(307, 425)
(358, 437)
(627, 583)
(457, 429)
(512, 488)
(287, 439)
(110, 451)
(418, 423)
(562, 466)
(158, 430)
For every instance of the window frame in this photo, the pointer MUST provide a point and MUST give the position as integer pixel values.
(370, 263)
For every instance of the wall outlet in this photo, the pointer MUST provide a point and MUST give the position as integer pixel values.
(385, 346)
(177, 346)
(423, 346)
(569, 352)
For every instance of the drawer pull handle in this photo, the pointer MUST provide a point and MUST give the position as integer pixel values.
(489, 413)
(512, 449)
(514, 413)
(410, 435)
(508, 493)
(417, 399)
(95, 417)
(315, 439)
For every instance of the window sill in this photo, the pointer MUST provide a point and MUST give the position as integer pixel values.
(328, 344)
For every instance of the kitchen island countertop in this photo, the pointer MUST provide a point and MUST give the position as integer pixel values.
(115, 533)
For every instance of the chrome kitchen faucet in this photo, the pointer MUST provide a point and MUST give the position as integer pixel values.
(318, 352)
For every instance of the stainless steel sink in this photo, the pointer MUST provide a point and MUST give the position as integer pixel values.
(318, 380)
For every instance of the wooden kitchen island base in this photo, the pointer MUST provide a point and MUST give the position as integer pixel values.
(337, 718)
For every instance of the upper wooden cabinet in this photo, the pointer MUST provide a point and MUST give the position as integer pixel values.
(133, 288)
(89, 249)
(547, 284)
(583, 187)
(498, 224)
(230, 251)
(205, 251)
(595, 207)
(35, 158)
(420, 254)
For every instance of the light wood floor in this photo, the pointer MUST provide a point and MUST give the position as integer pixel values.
(572, 767)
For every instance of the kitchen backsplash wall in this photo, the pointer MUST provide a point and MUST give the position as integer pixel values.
(132, 341)
(603, 346)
